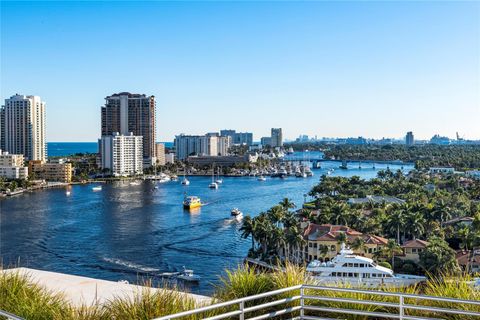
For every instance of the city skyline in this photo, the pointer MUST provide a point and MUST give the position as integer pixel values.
(327, 69)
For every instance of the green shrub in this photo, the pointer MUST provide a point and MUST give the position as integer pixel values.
(385, 264)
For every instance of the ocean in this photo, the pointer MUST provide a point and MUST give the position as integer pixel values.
(63, 149)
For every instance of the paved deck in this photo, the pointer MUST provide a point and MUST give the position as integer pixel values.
(87, 291)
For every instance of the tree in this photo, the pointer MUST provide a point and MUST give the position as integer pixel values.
(438, 258)
(358, 245)
(390, 250)
(340, 213)
(247, 229)
(287, 204)
(341, 238)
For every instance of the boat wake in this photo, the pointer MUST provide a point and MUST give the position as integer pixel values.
(130, 265)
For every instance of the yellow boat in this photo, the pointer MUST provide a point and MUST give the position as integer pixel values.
(192, 202)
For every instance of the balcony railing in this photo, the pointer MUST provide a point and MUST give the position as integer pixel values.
(311, 302)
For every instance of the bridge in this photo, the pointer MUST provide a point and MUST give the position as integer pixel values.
(317, 161)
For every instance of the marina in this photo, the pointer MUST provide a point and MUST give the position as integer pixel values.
(129, 231)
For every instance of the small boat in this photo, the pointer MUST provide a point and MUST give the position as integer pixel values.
(235, 212)
(262, 178)
(192, 202)
(187, 275)
(174, 177)
(67, 193)
(97, 188)
(134, 183)
(213, 185)
(185, 182)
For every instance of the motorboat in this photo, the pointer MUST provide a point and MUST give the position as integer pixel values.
(308, 171)
(218, 180)
(235, 212)
(97, 188)
(163, 178)
(174, 177)
(134, 183)
(352, 270)
(67, 193)
(262, 178)
(185, 182)
(188, 275)
(192, 202)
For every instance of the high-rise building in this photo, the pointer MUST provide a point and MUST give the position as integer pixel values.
(266, 141)
(122, 154)
(127, 113)
(210, 144)
(409, 140)
(22, 127)
(238, 138)
(277, 138)
(160, 153)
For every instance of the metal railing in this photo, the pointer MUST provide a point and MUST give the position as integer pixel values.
(9, 316)
(313, 302)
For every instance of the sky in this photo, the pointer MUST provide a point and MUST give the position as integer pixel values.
(331, 69)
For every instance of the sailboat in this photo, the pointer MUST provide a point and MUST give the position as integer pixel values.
(213, 184)
(185, 181)
(219, 181)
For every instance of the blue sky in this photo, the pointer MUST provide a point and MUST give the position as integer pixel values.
(320, 68)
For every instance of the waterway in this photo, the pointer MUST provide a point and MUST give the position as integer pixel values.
(136, 231)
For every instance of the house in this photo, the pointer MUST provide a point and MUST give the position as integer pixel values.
(376, 200)
(435, 170)
(412, 248)
(469, 261)
(461, 221)
(322, 243)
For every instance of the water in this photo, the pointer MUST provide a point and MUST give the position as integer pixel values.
(127, 232)
(63, 149)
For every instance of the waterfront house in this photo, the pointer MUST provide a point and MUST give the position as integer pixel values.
(469, 261)
(322, 243)
(412, 248)
(375, 200)
(436, 170)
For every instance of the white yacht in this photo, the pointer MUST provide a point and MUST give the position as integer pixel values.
(308, 171)
(262, 178)
(349, 269)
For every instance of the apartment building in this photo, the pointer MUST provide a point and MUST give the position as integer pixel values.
(160, 153)
(127, 113)
(22, 127)
(57, 170)
(12, 166)
(276, 138)
(210, 144)
(121, 154)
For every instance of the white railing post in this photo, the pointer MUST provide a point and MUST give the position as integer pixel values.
(302, 302)
(242, 307)
(401, 310)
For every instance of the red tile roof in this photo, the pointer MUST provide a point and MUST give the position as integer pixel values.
(416, 243)
(329, 232)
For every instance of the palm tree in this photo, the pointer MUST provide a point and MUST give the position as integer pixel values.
(396, 221)
(287, 204)
(340, 213)
(247, 229)
(358, 245)
(415, 224)
(276, 214)
(341, 238)
(391, 249)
